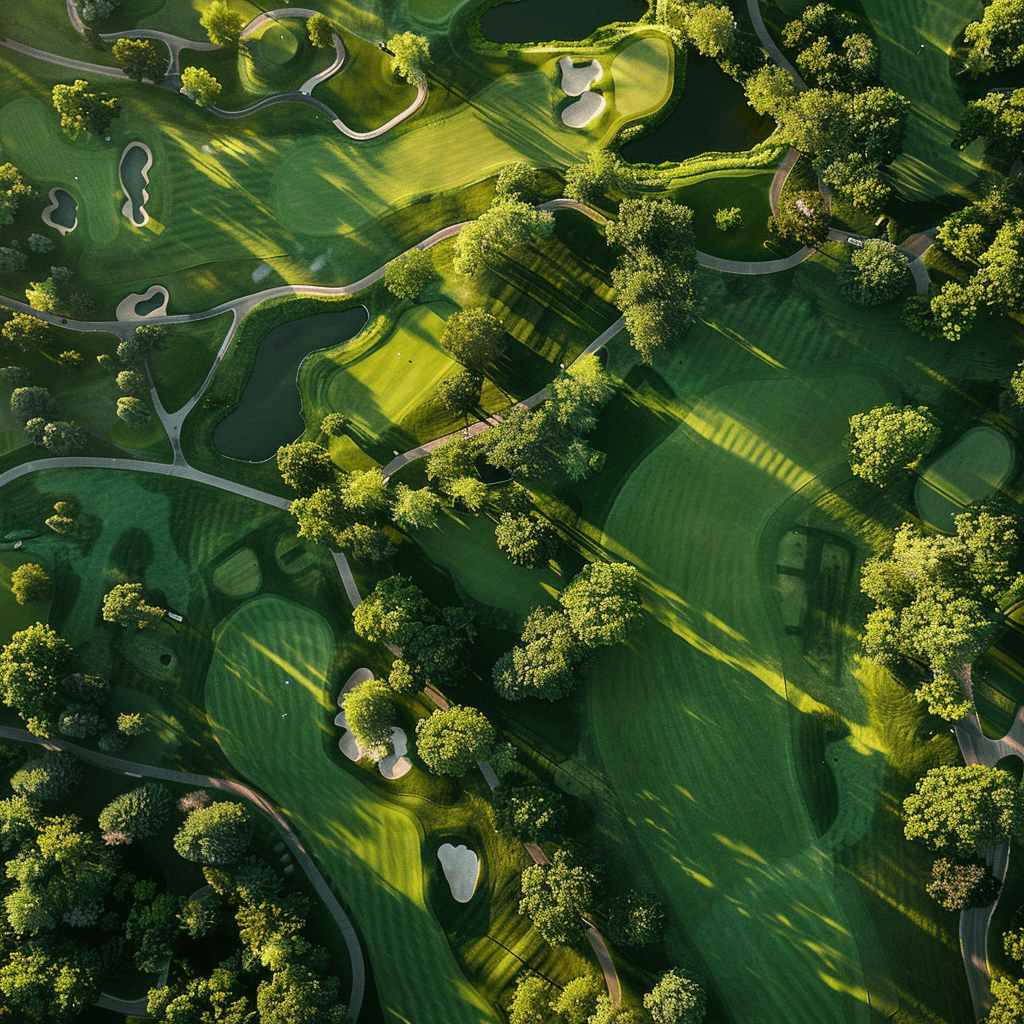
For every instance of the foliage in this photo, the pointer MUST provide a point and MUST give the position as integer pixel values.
(305, 466)
(415, 509)
(451, 741)
(27, 333)
(138, 813)
(81, 110)
(460, 395)
(223, 25)
(963, 810)
(889, 439)
(528, 540)
(549, 662)
(125, 606)
(47, 988)
(333, 424)
(201, 87)
(1007, 1001)
(603, 602)
(958, 885)
(407, 276)
(676, 999)
(518, 181)
(221, 998)
(31, 668)
(578, 999)
(151, 927)
(858, 181)
(917, 316)
(13, 188)
(945, 697)
(32, 403)
(79, 721)
(133, 383)
(802, 217)
(592, 179)
(502, 229)
(729, 218)
(875, 274)
(531, 814)
(636, 919)
(297, 995)
(139, 59)
(29, 582)
(555, 898)
(133, 412)
(48, 777)
(15, 376)
(370, 714)
(530, 1003)
(998, 118)
(321, 31)
(997, 41)
(410, 53)
(218, 834)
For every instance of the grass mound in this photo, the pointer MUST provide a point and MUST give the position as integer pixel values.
(239, 574)
(277, 44)
(977, 466)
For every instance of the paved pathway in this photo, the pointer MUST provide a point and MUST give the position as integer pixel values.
(754, 8)
(259, 801)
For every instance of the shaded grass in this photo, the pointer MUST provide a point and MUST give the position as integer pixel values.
(15, 616)
(180, 369)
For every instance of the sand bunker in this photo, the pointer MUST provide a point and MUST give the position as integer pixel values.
(584, 110)
(461, 867)
(126, 309)
(396, 765)
(347, 744)
(133, 173)
(576, 80)
(61, 214)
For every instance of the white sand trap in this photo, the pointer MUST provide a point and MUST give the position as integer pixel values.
(136, 211)
(461, 867)
(53, 207)
(361, 675)
(396, 765)
(576, 80)
(126, 311)
(261, 272)
(584, 110)
(348, 744)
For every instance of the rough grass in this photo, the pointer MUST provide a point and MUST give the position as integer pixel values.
(746, 190)
(180, 369)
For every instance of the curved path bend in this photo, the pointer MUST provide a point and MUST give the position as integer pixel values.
(261, 803)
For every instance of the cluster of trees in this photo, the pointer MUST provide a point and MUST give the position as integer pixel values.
(997, 41)
(82, 110)
(987, 236)
(712, 29)
(91, 11)
(321, 31)
(960, 884)
(54, 295)
(653, 274)
(14, 189)
(998, 118)
(37, 411)
(600, 607)
(1008, 992)
(407, 276)
(505, 227)
(829, 51)
(936, 596)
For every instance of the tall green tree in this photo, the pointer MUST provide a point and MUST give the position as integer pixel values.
(889, 439)
(505, 227)
(451, 741)
(370, 714)
(84, 111)
(410, 53)
(550, 662)
(676, 999)
(875, 274)
(27, 333)
(218, 834)
(200, 86)
(305, 466)
(556, 897)
(460, 395)
(30, 583)
(139, 59)
(407, 276)
(603, 603)
(531, 814)
(125, 606)
(13, 189)
(136, 814)
(32, 666)
(528, 540)
(321, 31)
(223, 25)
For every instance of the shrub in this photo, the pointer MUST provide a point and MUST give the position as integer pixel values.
(729, 219)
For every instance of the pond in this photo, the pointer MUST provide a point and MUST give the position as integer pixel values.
(528, 21)
(711, 116)
(269, 413)
(62, 213)
(136, 161)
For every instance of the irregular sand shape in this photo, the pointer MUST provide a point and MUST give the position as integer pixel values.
(54, 206)
(129, 206)
(348, 744)
(395, 765)
(584, 110)
(126, 312)
(576, 80)
(461, 867)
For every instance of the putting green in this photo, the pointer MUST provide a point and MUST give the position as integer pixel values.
(370, 848)
(977, 466)
(642, 77)
(277, 43)
(695, 734)
(239, 574)
(375, 384)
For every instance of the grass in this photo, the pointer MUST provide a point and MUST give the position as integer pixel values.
(976, 467)
(239, 574)
(370, 847)
(180, 369)
(15, 616)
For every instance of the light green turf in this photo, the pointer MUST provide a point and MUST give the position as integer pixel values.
(928, 167)
(464, 544)
(642, 77)
(715, 798)
(277, 44)
(369, 847)
(379, 384)
(974, 468)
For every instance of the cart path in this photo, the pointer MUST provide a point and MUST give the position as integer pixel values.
(754, 9)
(259, 801)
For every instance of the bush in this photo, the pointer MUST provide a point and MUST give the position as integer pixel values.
(30, 583)
(49, 777)
(729, 219)
(531, 814)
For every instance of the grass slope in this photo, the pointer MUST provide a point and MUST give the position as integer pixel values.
(369, 846)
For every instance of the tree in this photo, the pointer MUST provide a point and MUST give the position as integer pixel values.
(858, 181)
(305, 466)
(958, 885)
(603, 602)
(963, 810)
(199, 917)
(636, 919)
(79, 721)
(875, 274)
(547, 665)
(146, 339)
(505, 227)
(460, 395)
(47, 988)
(590, 180)
(917, 316)
(407, 276)
(29, 583)
(139, 59)
(221, 998)
(40, 244)
(12, 258)
(71, 361)
(997, 41)
(530, 1003)
(125, 606)
(662, 227)
(133, 383)
(711, 29)
(32, 403)
(729, 218)
(401, 678)
(13, 188)
(474, 337)
(370, 714)
(770, 91)
(676, 999)
(133, 412)
(409, 53)
(218, 834)
(518, 181)
(528, 540)
(333, 424)
(578, 1000)
(200, 86)
(63, 437)
(32, 666)
(364, 493)
(223, 25)
(138, 813)
(81, 110)
(47, 778)
(415, 509)
(451, 741)
(321, 31)
(27, 333)
(15, 376)
(151, 927)
(802, 217)
(889, 439)
(556, 897)
(531, 814)
(322, 517)
(1007, 1001)
(945, 697)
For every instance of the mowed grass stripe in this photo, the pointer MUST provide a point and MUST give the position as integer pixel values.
(694, 734)
(369, 848)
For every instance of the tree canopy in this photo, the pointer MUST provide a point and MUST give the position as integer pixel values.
(504, 227)
(556, 897)
(875, 274)
(223, 25)
(603, 602)
(370, 714)
(410, 54)
(200, 86)
(474, 337)
(305, 466)
(451, 741)
(676, 999)
(13, 188)
(139, 59)
(890, 438)
(81, 110)
(125, 606)
(218, 834)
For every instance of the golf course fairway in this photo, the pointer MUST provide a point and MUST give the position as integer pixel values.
(707, 774)
(370, 847)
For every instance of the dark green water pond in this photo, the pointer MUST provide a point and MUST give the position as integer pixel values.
(64, 215)
(711, 116)
(528, 21)
(133, 161)
(269, 413)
